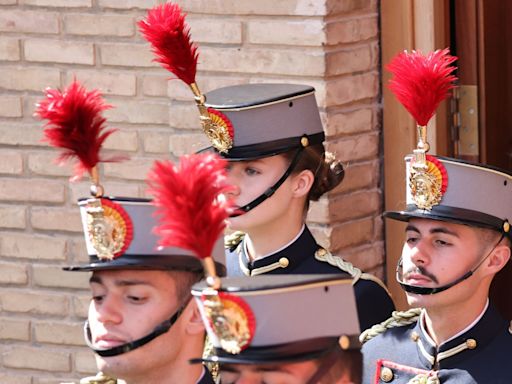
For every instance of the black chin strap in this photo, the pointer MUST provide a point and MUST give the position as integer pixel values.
(270, 191)
(124, 348)
(431, 291)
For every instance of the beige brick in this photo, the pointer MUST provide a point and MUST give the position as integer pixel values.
(14, 329)
(251, 7)
(59, 51)
(126, 4)
(366, 257)
(344, 6)
(188, 143)
(136, 169)
(55, 276)
(80, 304)
(350, 31)
(58, 3)
(360, 120)
(358, 176)
(85, 362)
(8, 2)
(11, 273)
(359, 59)
(12, 216)
(352, 88)
(156, 85)
(28, 246)
(282, 32)
(178, 90)
(9, 49)
(55, 219)
(351, 234)
(156, 142)
(20, 134)
(378, 228)
(10, 106)
(214, 30)
(15, 20)
(33, 303)
(11, 162)
(355, 205)
(44, 163)
(139, 112)
(184, 116)
(99, 24)
(31, 190)
(58, 332)
(122, 140)
(41, 358)
(109, 83)
(10, 378)
(127, 55)
(29, 79)
(353, 148)
(309, 62)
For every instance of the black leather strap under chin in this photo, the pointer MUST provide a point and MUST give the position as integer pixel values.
(270, 191)
(431, 291)
(124, 348)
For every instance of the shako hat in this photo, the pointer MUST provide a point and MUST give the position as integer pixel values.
(272, 319)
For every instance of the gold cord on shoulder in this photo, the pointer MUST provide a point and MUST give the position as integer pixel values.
(233, 239)
(397, 319)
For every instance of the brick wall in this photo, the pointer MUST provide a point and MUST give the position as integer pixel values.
(330, 44)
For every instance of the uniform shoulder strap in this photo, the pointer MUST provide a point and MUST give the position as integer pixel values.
(397, 319)
(324, 255)
(232, 240)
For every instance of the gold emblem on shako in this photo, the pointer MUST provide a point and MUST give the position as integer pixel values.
(109, 228)
(428, 182)
(219, 130)
(231, 319)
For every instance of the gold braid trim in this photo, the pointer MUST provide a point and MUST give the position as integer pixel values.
(336, 261)
(232, 240)
(211, 366)
(397, 319)
(100, 378)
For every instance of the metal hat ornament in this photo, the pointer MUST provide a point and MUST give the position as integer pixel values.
(76, 125)
(420, 82)
(169, 35)
(192, 216)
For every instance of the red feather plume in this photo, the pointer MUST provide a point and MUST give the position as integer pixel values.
(186, 196)
(75, 124)
(421, 82)
(169, 35)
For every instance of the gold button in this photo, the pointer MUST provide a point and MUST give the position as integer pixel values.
(344, 342)
(283, 262)
(414, 336)
(386, 375)
(506, 226)
(471, 343)
(304, 141)
(321, 252)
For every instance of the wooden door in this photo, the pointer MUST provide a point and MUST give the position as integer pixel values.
(481, 33)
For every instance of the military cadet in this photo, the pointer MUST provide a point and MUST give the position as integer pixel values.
(282, 329)
(457, 239)
(272, 136)
(143, 325)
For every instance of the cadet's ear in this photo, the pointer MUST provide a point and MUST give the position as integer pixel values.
(498, 258)
(302, 183)
(194, 322)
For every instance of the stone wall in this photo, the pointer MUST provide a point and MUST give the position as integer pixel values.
(330, 44)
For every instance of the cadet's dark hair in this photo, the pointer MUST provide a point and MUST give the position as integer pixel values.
(184, 281)
(327, 170)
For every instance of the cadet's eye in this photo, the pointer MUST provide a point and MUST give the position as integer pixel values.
(442, 243)
(98, 298)
(137, 299)
(251, 171)
(411, 240)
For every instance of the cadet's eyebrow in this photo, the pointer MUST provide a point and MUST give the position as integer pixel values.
(120, 283)
(444, 230)
(411, 227)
